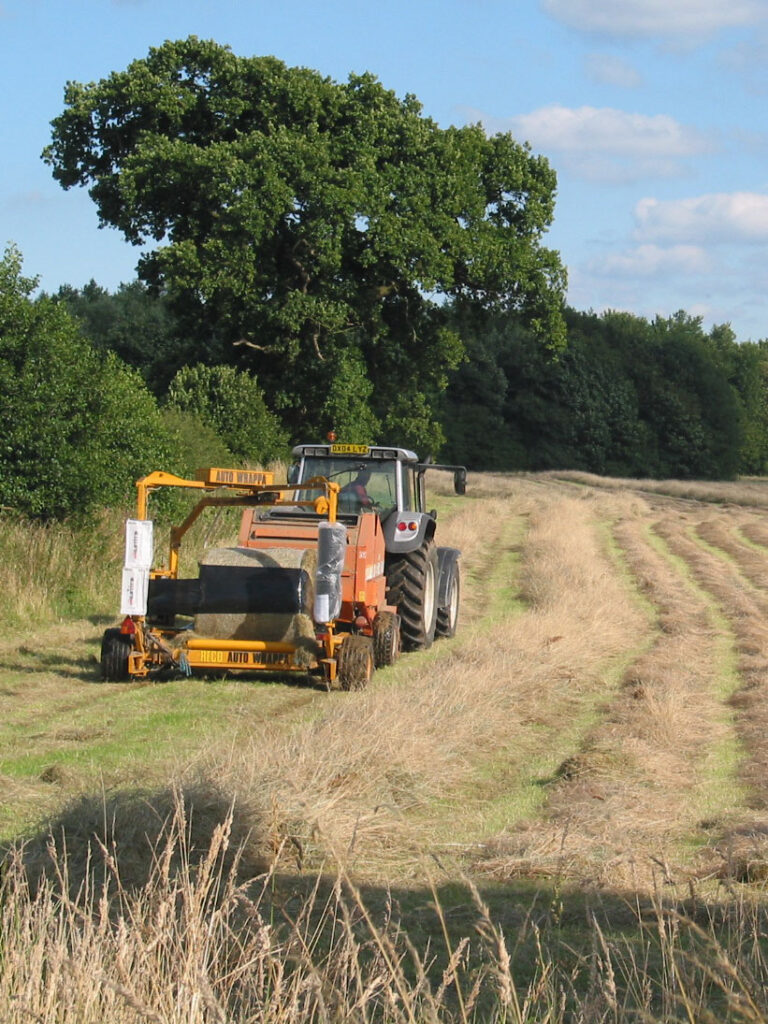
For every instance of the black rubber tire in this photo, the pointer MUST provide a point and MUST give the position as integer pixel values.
(386, 639)
(355, 663)
(412, 589)
(448, 615)
(115, 648)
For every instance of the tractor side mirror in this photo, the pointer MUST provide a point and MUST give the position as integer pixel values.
(293, 473)
(460, 481)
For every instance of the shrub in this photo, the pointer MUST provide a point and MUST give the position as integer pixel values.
(76, 428)
(196, 443)
(232, 403)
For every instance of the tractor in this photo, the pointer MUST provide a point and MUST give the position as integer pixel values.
(335, 571)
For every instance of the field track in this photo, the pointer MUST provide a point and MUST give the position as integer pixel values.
(601, 717)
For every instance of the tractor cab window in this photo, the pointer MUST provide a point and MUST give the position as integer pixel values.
(369, 485)
(410, 489)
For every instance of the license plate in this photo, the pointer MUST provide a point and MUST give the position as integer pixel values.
(349, 449)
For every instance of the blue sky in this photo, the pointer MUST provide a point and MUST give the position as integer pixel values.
(652, 112)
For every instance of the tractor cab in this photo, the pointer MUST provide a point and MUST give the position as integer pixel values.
(370, 478)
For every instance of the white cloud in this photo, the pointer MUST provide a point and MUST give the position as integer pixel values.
(585, 129)
(669, 18)
(608, 69)
(653, 261)
(711, 219)
(605, 144)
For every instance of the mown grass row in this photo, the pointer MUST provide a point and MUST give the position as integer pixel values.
(303, 872)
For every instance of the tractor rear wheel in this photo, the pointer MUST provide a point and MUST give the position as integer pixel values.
(448, 615)
(355, 663)
(386, 639)
(412, 589)
(115, 648)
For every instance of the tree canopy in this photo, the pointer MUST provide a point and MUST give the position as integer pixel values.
(232, 403)
(135, 324)
(76, 428)
(312, 231)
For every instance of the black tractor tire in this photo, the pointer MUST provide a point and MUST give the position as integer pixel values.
(448, 615)
(355, 663)
(115, 648)
(412, 589)
(386, 639)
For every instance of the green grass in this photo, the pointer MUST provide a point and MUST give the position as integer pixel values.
(753, 544)
(126, 734)
(513, 785)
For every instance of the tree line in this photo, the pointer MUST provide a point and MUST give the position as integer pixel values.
(320, 255)
(626, 397)
(95, 391)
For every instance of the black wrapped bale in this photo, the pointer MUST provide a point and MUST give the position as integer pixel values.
(259, 594)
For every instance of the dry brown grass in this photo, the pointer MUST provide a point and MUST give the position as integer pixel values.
(559, 698)
(723, 532)
(52, 570)
(748, 491)
(756, 531)
(582, 727)
(742, 849)
(374, 776)
(745, 608)
(195, 944)
(627, 799)
(404, 766)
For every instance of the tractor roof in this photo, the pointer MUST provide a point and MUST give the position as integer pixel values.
(355, 451)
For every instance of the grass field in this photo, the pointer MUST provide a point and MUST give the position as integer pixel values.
(560, 815)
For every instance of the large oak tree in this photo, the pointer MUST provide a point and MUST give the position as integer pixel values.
(312, 230)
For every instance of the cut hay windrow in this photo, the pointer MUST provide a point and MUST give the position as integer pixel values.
(627, 800)
(748, 492)
(744, 605)
(719, 532)
(366, 775)
(576, 739)
(756, 531)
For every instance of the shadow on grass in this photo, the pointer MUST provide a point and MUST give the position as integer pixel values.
(116, 840)
(87, 669)
(34, 661)
(575, 954)
(297, 680)
(102, 620)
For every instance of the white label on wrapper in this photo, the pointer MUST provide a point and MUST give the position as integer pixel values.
(139, 543)
(322, 608)
(134, 593)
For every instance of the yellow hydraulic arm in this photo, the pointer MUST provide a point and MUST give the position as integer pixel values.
(256, 487)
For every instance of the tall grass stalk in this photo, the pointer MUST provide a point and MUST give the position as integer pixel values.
(199, 944)
(53, 571)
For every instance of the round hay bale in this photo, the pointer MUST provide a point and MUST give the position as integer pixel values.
(294, 628)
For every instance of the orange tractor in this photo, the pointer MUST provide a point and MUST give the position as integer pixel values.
(335, 571)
